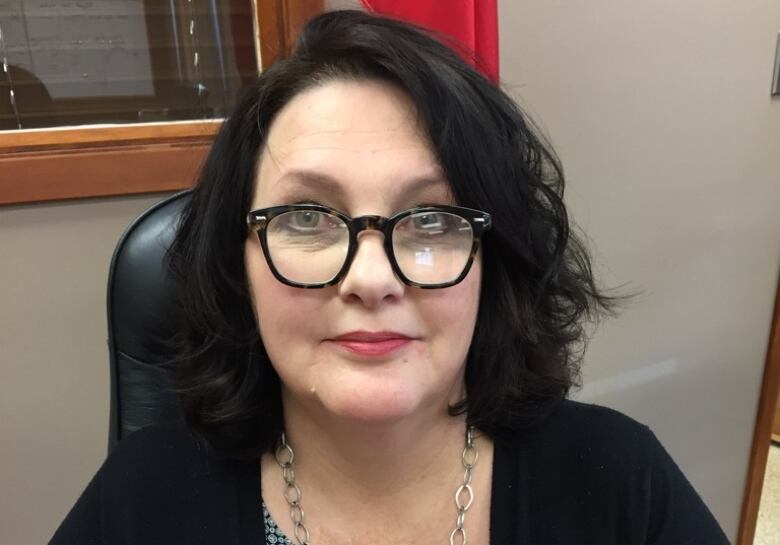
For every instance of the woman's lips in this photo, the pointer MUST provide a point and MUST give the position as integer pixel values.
(368, 343)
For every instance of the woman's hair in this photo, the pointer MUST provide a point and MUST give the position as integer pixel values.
(537, 289)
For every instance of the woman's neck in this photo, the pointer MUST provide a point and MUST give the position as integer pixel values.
(362, 482)
(367, 460)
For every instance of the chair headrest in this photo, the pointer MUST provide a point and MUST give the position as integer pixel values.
(141, 314)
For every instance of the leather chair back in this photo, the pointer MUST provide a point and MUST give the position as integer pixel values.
(141, 315)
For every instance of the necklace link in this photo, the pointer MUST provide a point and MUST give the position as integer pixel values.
(458, 532)
(458, 503)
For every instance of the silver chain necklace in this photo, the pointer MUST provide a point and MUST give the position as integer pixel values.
(464, 496)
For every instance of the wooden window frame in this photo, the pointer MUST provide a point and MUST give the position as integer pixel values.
(98, 161)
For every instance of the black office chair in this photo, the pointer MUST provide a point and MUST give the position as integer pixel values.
(141, 316)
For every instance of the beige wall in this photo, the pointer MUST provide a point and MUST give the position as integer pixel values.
(662, 116)
(54, 262)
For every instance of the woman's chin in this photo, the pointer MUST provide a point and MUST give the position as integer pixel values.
(379, 393)
(371, 407)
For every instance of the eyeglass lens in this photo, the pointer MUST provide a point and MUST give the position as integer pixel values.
(310, 246)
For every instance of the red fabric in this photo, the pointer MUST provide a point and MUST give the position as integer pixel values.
(473, 23)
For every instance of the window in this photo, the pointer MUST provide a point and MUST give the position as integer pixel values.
(107, 97)
(72, 63)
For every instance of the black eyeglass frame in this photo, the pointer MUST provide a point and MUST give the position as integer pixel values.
(479, 221)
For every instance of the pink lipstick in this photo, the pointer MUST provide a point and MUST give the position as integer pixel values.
(368, 343)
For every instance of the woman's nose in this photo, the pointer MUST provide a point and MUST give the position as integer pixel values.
(370, 277)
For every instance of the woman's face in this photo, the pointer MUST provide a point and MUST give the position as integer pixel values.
(355, 146)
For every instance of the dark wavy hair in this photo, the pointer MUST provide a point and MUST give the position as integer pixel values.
(537, 290)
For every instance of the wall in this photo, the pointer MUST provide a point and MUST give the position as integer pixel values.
(53, 357)
(662, 115)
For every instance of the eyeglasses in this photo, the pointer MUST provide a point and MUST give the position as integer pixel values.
(312, 246)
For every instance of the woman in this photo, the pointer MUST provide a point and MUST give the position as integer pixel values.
(383, 304)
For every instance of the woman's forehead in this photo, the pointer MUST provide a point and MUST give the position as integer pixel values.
(360, 134)
(362, 106)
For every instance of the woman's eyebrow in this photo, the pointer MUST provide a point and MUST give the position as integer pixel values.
(296, 179)
(324, 184)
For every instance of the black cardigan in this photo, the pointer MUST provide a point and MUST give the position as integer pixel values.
(588, 475)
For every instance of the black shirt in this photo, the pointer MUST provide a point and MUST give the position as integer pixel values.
(587, 475)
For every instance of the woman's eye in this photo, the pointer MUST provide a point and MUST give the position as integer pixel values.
(307, 219)
(428, 221)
